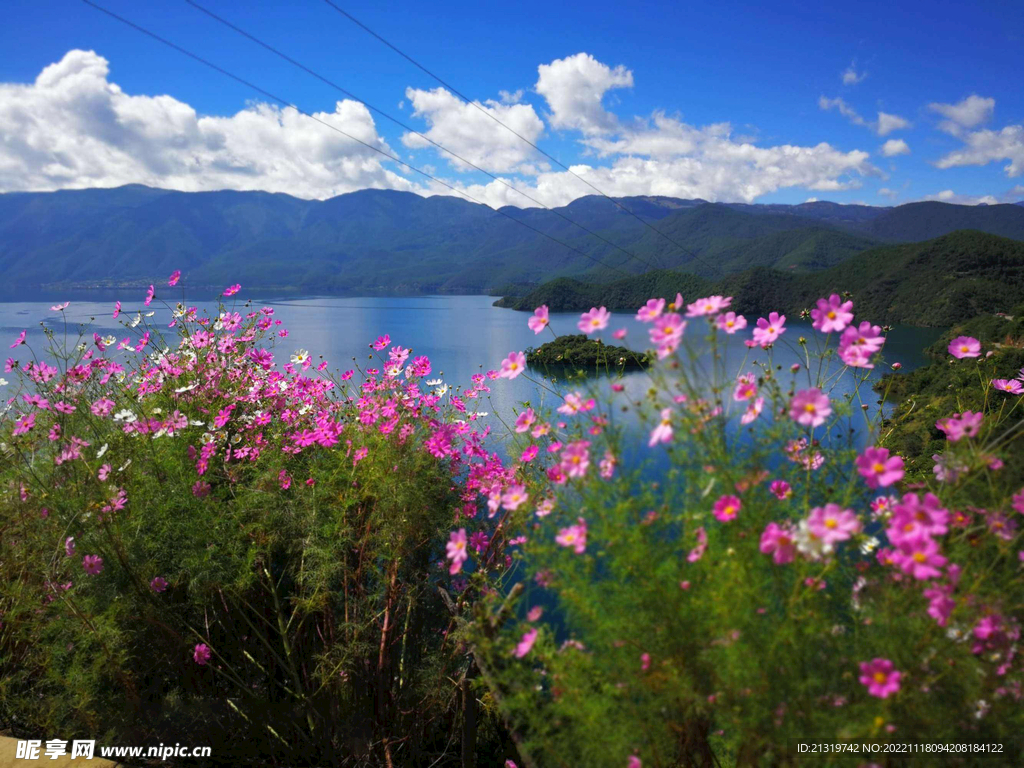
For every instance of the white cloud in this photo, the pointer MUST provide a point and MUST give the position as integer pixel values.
(574, 88)
(986, 146)
(73, 128)
(894, 147)
(511, 97)
(811, 200)
(892, 194)
(884, 125)
(668, 157)
(972, 111)
(949, 196)
(850, 76)
(1015, 194)
(470, 133)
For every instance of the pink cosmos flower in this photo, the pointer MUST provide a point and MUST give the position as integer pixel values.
(69, 546)
(92, 564)
(525, 644)
(456, 550)
(232, 290)
(961, 425)
(607, 465)
(832, 523)
(174, 278)
(149, 295)
(832, 314)
(878, 468)
(1013, 386)
(662, 433)
(697, 552)
(941, 603)
(712, 305)
(650, 311)
(525, 420)
(746, 387)
(753, 411)
(633, 762)
(781, 489)
(726, 508)
(594, 320)
(1018, 501)
(201, 655)
(117, 309)
(919, 557)
(730, 322)
(576, 458)
(965, 346)
(60, 307)
(810, 407)
(767, 331)
(513, 365)
(574, 536)
(529, 454)
(20, 340)
(540, 319)
(158, 584)
(915, 517)
(668, 330)
(778, 542)
(880, 677)
(620, 334)
(514, 496)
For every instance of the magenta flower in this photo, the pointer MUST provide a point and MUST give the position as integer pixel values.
(158, 584)
(576, 458)
(832, 314)
(965, 346)
(919, 557)
(781, 489)
(697, 552)
(662, 433)
(1018, 501)
(456, 550)
(779, 543)
(633, 762)
(746, 387)
(650, 311)
(594, 320)
(767, 331)
(575, 536)
(149, 295)
(202, 654)
(525, 644)
(880, 677)
(832, 523)
(513, 365)
(730, 322)
(959, 425)
(726, 508)
(20, 340)
(529, 454)
(878, 468)
(117, 309)
(810, 407)
(1013, 386)
(753, 411)
(174, 278)
(540, 319)
(620, 334)
(60, 307)
(232, 290)
(92, 564)
(915, 517)
(941, 603)
(69, 546)
(525, 420)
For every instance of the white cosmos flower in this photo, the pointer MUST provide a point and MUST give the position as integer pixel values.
(196, 422)
(102, 451)
(868, 545)
(136, 320)
(441, 391)
(3, 382)
(300, 357)
(126, 416)
(125, 466)
(189, 388)
(150, 314)
(810, 545)
(434, 382)
(109, 341)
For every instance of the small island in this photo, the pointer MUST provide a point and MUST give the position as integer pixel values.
(582, 352)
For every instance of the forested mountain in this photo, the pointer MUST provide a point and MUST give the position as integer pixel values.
(935, 283)
(387, 241)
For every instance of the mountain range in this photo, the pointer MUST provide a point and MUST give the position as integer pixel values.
(398, 242)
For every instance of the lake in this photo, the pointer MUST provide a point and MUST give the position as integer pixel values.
(462, 335)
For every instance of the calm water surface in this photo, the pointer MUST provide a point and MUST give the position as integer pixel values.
(462, 335)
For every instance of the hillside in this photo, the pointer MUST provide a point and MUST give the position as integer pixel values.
(935, 283)
(386, 241)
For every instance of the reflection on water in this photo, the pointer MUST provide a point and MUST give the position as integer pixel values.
(462, 335)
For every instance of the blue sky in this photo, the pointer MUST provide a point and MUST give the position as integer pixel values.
(727, 101)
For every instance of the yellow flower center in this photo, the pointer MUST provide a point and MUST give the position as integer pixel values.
(832, 315)
(880, 677)
(809, 408)
(831, 523)
(919, 557)
(878, 467)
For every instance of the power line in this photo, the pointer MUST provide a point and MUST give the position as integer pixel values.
(555, 160)
(398, 122)
(288, 104)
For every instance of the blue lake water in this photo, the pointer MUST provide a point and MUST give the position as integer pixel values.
(462, 335)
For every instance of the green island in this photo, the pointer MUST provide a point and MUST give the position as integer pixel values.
(581, 352)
